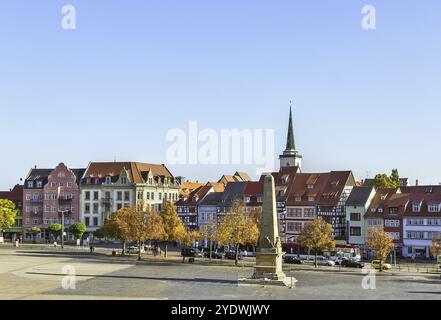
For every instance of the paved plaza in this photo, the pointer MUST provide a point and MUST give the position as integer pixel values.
(38, 274)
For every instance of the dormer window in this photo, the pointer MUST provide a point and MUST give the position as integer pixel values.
(393, 210)
(380, 210)
(61, 174)
(97, 180)
(310, 186)
(39, 184)
(311, 199)
(88, 181)
(123, 180)
(30, 184)
(416, 207)
(108, 180)
(298, 199)
(434, 207)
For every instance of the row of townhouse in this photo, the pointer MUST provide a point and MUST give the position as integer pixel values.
(91, 194)
(411, 215)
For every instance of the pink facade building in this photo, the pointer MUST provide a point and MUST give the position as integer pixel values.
(47, 194)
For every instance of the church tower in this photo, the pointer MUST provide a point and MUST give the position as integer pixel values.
(290, 157)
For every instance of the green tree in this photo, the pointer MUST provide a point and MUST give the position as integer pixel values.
(381, 243)
(237, 229)
(383, 181)
(78, 229)
(55, 230)
(317, 236)
(395, 177)
(34, 231)
(174, 229)
(8, 212)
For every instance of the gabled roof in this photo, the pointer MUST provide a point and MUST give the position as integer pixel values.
(137, 171)
(14, 195)
(42, 175)
(359, 196)
(233, 191)
(195, 197)
(212, 199)
(325, 188)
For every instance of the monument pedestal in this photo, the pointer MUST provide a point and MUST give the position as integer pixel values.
(268, 270)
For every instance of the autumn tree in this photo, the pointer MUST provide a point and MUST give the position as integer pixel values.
(317, 236)
(8, 212)
(139, 226)
(110, 230)
(237, 229)
(174, 229)
(435, 247)
(381, 243)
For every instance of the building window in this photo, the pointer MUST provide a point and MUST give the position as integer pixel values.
(393, 210)
(416, 208)
(295, 227)
(39, 184)
(355, 231)
(108, 180)
(118, 206)
(294, 212)
(148, 195)
(127, 196)
(355, 216)
(95, 222)
(311, 199)
(160, 196)
(309, 212)
(30, 184)
(87, 221)
(87, 208)
(87, 195)
(119, 196)
(123, 180)
(95, 208)
(96, 196)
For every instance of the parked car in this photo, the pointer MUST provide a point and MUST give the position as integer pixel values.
(340, 260)
(293, 260)
(134, 249)
(352, 264)
(191, 253)
(231, 255)
(214, 254)
(322, 261)
(376, 265)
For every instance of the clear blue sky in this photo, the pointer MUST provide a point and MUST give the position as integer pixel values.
(364, 100)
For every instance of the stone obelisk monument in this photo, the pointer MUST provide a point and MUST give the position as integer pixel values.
(269, 255)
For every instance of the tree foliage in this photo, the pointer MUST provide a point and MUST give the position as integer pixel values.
(174, 229)
(35, 230)
(435, 247)
(317, 236)
(128, 224)
(383, 181)
(55, 229)
(8, 212)
(381, 243)
(237, 229)
(78, 229)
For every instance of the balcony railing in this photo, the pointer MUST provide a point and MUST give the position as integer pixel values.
(65, 200)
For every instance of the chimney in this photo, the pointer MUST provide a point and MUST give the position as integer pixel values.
(35, 167)
(417, 183)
